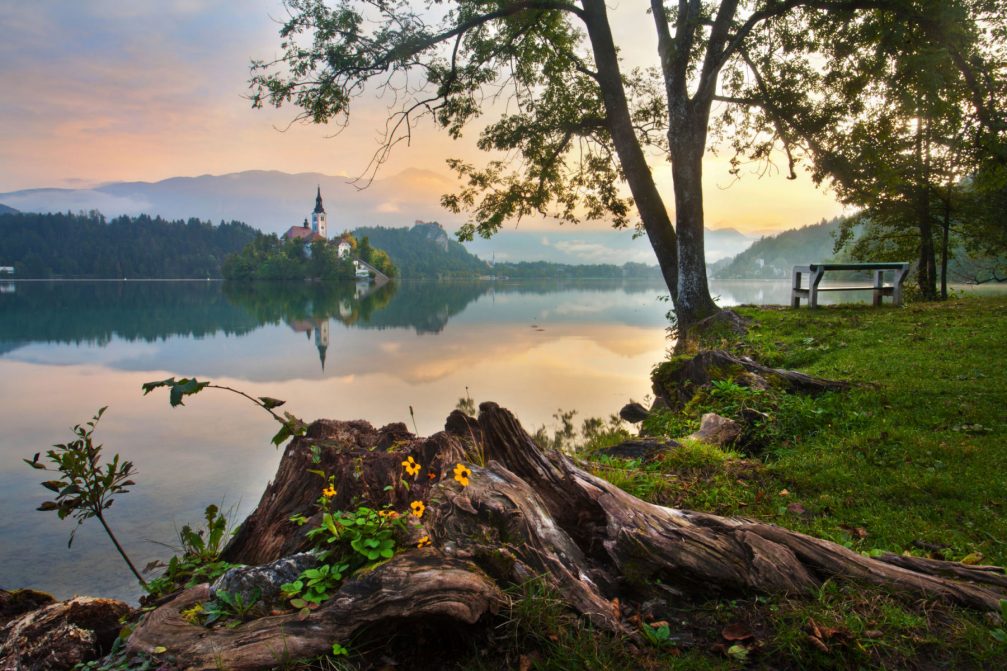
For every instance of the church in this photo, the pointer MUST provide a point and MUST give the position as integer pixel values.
(318, 230)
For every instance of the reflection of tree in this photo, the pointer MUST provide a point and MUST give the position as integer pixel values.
(300, 302)
(95, 312)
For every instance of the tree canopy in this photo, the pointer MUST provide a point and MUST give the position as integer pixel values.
(578, 122)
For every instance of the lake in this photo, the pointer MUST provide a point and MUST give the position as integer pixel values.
(341, 352)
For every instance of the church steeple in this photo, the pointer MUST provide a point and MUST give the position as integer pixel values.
(318, 223)
(318, 201)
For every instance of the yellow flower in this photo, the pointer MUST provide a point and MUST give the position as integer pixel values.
(412, 468)
(389, 514)
(425, 541)
(462, 474)
(329, 492)
(418, 508)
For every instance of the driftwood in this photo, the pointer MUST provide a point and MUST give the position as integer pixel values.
(526, 514)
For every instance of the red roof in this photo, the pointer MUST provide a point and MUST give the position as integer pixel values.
(301, 233)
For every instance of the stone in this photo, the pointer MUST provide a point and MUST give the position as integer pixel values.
(61, 635)
(634, 413)
(265, 579)
(646, 448)
(717, 430)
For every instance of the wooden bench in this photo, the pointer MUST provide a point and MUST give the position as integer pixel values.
(816, 271)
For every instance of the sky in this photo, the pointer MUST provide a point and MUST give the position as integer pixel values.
(103, 90)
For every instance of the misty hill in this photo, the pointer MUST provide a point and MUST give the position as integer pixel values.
(272, 201)
(269, 200)
(424, 251)
(88, 246)
(7, 210)
(774, 256)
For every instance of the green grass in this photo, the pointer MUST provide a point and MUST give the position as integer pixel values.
(911, 460)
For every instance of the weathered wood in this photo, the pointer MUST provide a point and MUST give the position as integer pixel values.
(677, 381)
(525, 514)
(420, 584)
(816, 271)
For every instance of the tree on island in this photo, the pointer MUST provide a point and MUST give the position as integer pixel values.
(578, 122)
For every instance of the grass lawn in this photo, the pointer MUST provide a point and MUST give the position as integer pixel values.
(911, 460)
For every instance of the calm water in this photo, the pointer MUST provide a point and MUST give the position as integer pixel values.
(347, 352)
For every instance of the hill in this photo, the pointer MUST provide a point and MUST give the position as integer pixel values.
(7, 210)
(774, 256)
(87, 246)
(424, 251)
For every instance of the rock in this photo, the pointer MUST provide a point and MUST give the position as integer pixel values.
(62, 634)
(265, 579)
(16, 602)
(717, 430)
(634, 413)
(646, 448)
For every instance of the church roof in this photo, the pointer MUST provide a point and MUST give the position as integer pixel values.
(319, 209)
(301, 233)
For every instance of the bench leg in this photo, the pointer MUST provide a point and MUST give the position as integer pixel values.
(879, 278)
(795, 298)
(814, 280)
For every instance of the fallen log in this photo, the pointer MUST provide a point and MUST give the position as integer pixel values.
(524, 514)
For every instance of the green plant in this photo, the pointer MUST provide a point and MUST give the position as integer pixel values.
(658, 636)
(999, 633)
(198, 558)
(179, 389)
(314, 585)
(86, 486)
(227, 606)
(369, 534)
(339, 650)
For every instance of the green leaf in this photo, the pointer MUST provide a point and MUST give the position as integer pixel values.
(151, 386)
(53, 485)
(48, 505)
(270, 403)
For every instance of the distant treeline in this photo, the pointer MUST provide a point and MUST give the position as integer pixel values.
(532, 270)
(90, 247)
(425, 251)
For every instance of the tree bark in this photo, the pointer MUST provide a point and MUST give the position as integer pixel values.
(526, 514)
(649, 202)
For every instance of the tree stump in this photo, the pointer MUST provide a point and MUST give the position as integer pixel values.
(525, 514)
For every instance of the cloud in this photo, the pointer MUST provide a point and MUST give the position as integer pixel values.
(63, 200)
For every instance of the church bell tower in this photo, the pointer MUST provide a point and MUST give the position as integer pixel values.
(318, 224)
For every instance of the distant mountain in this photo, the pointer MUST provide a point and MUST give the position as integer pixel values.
(273, 201)
(775, 256)
(7, 210)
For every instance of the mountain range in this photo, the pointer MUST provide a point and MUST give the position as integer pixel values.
(272, 201)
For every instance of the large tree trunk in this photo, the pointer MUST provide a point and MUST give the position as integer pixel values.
(646, 196)
(526, 514)
(688, 144)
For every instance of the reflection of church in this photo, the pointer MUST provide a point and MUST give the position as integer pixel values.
(320, 329)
